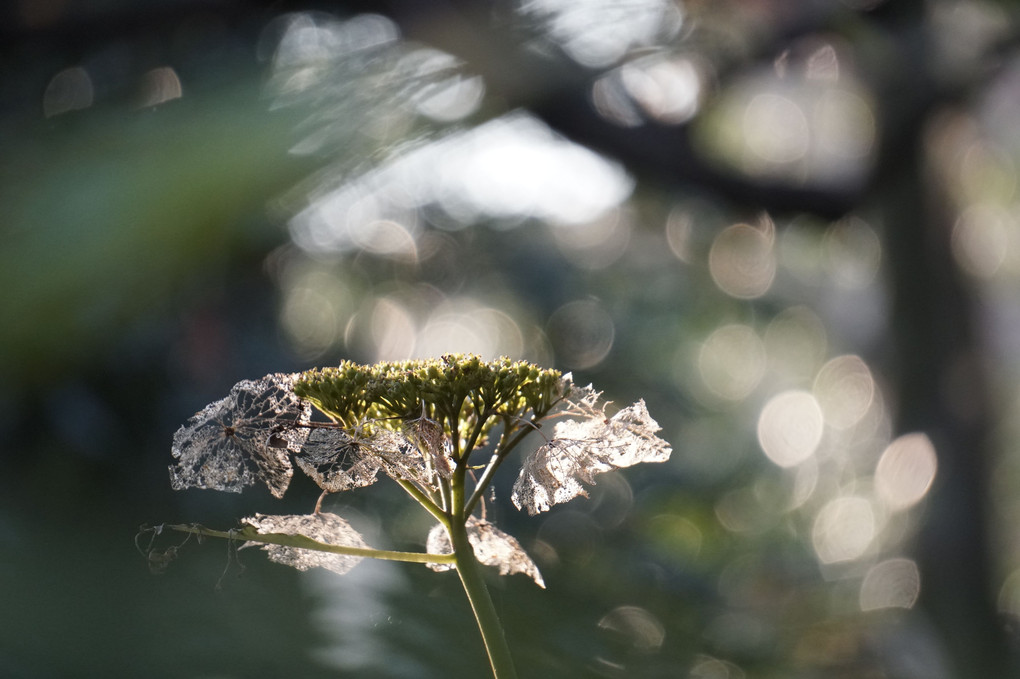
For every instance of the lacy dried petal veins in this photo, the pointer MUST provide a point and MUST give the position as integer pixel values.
(492, 547)
(323, 527)
(249, 436)
(239, 440)
(336, 461)
(582, 448)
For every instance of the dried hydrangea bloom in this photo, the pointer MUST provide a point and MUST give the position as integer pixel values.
(583, 447)
(492, 547)
(419, 422)
(323, 527)
(243, 438)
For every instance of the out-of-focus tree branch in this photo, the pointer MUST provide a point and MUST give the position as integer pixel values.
(558, 91)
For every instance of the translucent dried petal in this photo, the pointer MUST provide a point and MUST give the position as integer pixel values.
(243, 438)
(582, 401)
(323, 527)
(492, 547)
(433, 443)
(398, 457)
(336, 461)
(550, 476)
(583, 448)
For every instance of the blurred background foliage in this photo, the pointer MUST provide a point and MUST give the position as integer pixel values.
(792, 227)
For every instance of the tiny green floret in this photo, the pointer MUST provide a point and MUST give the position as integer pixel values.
(465, 395)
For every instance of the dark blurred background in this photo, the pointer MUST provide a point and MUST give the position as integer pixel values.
(791, 226)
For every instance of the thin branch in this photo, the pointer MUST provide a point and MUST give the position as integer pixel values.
(444, 492)
(483, 417)
(494, 463)
(249, 534)
(425, 501)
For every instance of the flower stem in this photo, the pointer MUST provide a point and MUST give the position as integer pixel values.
(489, 625)
(490, 470)
(424, 500)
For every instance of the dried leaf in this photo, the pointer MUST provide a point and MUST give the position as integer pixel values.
(492, 547)
(336, 461)
(585, 447)
(323, 527)
(243, 438)
(433, 443)
(398, 457)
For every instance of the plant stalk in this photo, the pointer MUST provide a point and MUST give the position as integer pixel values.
(471, 578)
(490, 470)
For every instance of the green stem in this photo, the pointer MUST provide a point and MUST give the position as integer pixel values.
(476, 432)
(425, 501)
(473, 582)
(490, 470)
(249, 534)
(489, 625)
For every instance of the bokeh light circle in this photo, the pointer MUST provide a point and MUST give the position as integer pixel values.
(790, 427)
(732, 361)
(906, 470)
(894, 583)
(845, 390)
(843, 529)
(742, 262)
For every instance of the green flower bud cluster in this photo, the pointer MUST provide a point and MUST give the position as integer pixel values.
(458, 391)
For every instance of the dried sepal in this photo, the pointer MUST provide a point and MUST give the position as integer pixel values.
(398, 457)
(336, 461)
(243, 438)
(583, 447)
(323, 527)
(432, 443)
(492, 547)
